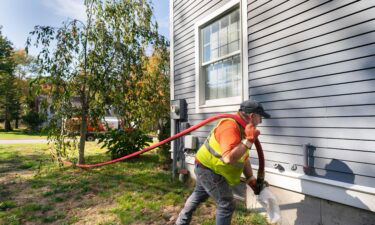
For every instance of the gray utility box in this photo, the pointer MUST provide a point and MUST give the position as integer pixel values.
(179, 109)
(191, 142)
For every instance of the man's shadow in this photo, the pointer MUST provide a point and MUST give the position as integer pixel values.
(335, 170)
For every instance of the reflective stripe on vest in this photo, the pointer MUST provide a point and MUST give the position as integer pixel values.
(217, 155)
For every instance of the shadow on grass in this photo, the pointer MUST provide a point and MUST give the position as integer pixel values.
(13, 161)
(135, 191)
(24, 132)
(136, 186)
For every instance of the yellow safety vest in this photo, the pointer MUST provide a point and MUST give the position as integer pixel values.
(209, 154)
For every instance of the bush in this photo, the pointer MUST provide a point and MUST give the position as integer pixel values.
(33, 120)
(164, 153)
(124, 142)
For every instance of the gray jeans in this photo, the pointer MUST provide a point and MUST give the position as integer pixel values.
(208, 184)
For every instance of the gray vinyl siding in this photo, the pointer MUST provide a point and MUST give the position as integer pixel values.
(312, 65)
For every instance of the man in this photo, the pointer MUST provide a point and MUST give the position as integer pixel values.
(221, 160)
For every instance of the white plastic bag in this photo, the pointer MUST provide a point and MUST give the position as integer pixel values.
(268, 200)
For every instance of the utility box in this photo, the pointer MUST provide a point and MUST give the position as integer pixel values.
(179, 109)
(191, 142)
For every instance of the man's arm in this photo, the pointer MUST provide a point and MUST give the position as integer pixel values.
(228, 135)
(248, 170)
(234, 155)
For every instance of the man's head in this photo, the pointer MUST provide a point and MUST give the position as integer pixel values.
(253, 111)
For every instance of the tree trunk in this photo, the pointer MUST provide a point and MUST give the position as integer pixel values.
(83, 133)
(7, 125)
(17, 123)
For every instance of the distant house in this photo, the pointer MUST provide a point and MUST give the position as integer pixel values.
(312, 65)
(48, 109)
(110, 118)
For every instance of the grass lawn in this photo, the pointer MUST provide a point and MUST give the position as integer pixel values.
(34, 191)
(20, 135)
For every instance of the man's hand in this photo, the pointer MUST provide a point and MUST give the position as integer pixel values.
(251, 132)
(257, 184)
(252, 182)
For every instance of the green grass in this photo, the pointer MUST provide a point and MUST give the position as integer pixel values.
(21, 135)
(7, 205)
(137, 191)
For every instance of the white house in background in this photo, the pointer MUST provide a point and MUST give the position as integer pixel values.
(312, 65)
(110, 119)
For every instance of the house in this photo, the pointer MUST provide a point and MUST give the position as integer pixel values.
(43, 104)
(110, 119)
(312, 65)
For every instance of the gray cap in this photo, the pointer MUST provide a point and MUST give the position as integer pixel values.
(252, 106)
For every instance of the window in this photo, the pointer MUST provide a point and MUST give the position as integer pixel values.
(219, 75)
(221, 57)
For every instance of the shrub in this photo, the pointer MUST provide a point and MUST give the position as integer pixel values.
(124, 142)
(163, 133)
(33, 120)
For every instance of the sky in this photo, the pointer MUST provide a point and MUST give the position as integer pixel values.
(18, 17)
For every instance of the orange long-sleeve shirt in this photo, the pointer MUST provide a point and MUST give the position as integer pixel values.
(228, 135)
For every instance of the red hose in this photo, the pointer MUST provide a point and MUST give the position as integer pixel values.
(187, 131)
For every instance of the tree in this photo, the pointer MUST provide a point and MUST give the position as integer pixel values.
(8, 92)
(154, 90)
(99, 60)
(23, 67)
(154, 93)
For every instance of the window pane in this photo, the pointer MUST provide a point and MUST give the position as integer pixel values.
(207, 77)
(220, 79)
(206, 53)
(235, 16)
(231, 84)
(223, 79)
(234, 46)
(215, 35)
(211, 81)
(206, 35)
(236, 82)
(223, 37)
(234, 32)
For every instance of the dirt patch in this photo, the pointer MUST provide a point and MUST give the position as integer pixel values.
(169, 215)
(16, 182)
(90, 210)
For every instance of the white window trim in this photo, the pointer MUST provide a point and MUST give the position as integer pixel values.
(171, 51)
(222, 58)
(226, 104)
(171, 70)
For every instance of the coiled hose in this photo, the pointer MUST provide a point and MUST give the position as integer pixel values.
(258, 146)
